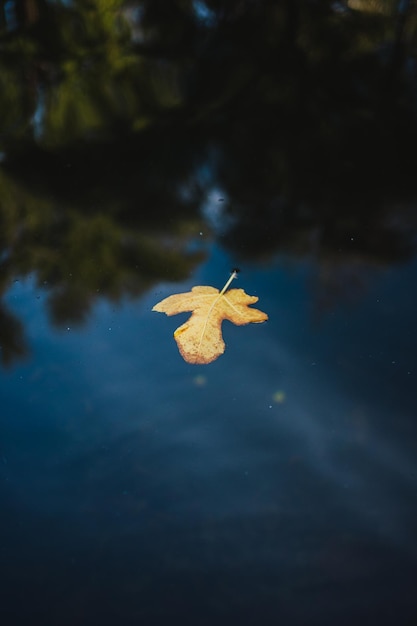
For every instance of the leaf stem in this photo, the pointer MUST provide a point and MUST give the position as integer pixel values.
(232, 276)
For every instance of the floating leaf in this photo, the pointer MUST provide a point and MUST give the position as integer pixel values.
(200, 339)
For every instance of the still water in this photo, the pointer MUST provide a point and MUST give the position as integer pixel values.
(151, 147)
(280, 481)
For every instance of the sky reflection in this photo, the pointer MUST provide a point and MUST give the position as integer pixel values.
(118, 385)
(277, 457)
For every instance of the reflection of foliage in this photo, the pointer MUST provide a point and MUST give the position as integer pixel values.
(94, 253)
(78, 258)
(85, 80)
(115, 116)
(96, 85)
(374, 6)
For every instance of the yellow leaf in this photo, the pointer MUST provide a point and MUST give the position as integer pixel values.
(200, 339)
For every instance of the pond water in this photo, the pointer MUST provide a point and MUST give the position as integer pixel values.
(277, 484)
(279, 480)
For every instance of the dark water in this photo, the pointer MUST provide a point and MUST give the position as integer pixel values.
(279, 483)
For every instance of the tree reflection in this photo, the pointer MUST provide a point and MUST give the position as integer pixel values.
(78, 256)
(118, 120)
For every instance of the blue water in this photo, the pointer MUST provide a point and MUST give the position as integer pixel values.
(275, 485)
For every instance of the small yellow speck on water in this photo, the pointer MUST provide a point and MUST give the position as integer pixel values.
(279, 397)
(199, 381)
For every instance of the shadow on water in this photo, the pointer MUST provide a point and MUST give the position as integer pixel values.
(157, 142)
